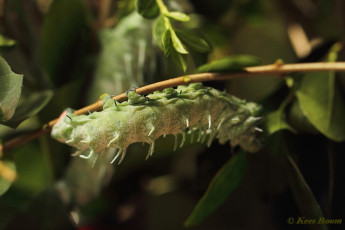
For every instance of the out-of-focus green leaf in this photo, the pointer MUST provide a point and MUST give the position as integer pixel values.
(166, 41)
(158, 31)
(6, 42)
(10, 89)
(194, 41)
(177, 43)
(147, 8)
(5, 184)
(231, 63)
(179, 59)
(306, 202)
(299, 121)
(178, 16)
(30, 105)
(65, 21)
(321, 102)
(228, 178)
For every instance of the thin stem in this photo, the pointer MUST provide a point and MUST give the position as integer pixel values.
(277, 69)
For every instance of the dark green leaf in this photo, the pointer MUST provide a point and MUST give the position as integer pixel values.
(304, 197)
(178, 16)
(147, 8)
(179, 59)
(194, 41)
(30, 105)
(166, 41)
(5, 184)
(230, 63)
(321, 102)
(223, 184)
(299, 121)
(158, 30)
(177, 43)
(10, 89)
(63, 27)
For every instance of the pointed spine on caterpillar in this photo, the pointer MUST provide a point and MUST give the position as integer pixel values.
(202, 112)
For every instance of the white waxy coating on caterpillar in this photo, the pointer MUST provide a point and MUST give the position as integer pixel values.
(193, 108)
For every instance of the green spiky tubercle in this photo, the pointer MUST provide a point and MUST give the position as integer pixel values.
(203, 112)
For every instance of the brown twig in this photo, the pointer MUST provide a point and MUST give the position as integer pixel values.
(273, 69)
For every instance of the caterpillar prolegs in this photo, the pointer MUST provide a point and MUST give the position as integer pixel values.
(203, 112)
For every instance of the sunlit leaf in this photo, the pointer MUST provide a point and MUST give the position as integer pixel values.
(228, 178)
(6, 42)
(177, 43)
(230, 63)
(7, 175)
(10, 89)
(194, 41)
(147, 8)
(179, 16)
(321, 102)
(306, 202)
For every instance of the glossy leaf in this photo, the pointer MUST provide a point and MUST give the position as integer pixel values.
(179, 59)
(7, 174)
(167, 43)
(147, 8)
(230, 63)
(178, 16)
(29, 105)
(228, 178)
(321, 102)
(10, 90)
(194, 41)
(306, 202)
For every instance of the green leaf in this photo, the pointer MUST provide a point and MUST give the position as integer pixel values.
(29, 105)
(230, 63)
(178, 16)
(276, 121)
(6, 42)
(304, 197)
(10, 89)
(228, 178)
(4, 183)
(194, 41)
(63, 37)
(177, 43)
(179, 59)
(321, 102)
(147, 8)
(158, 31)
(167, 43)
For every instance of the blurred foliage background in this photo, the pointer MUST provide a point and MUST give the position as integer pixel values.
(72, 51)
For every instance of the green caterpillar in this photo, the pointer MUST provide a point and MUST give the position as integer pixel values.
(202, 112)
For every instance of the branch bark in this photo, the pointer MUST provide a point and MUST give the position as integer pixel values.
(277, 69)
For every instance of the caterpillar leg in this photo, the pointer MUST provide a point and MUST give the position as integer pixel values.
(117, 154)
(88, 156)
